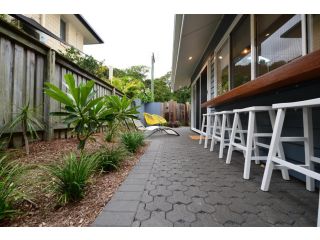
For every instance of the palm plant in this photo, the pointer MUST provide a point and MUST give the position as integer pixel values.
(81, 109)
(28, 122)
(122, 109)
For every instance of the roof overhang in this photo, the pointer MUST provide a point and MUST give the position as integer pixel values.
(89, 34)
(192, 34)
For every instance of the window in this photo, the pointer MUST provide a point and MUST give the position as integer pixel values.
(63, 30)
(223, 69)
(240, 53)
(279, 40)
(314, 36)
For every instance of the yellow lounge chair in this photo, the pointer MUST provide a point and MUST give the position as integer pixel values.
(154, 125)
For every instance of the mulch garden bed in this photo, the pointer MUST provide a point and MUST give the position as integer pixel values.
(41, 209)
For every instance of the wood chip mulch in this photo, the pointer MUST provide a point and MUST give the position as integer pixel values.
(40, 207)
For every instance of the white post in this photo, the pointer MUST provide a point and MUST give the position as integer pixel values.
(247, 161)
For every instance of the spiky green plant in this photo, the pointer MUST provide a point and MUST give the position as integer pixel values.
(28, 122)
(71, 177)
(10, 174)
(81, 109)
(132, 141)
(110, 158)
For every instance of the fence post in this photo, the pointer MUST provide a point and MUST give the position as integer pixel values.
(50, 74)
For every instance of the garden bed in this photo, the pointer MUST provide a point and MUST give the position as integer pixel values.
(41, 208)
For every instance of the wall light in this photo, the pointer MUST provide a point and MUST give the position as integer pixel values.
(189, 58)
(220, 57)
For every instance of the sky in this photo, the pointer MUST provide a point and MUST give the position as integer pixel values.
(130, 40)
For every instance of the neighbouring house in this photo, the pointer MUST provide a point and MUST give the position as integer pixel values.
(236, 61)
(59, 31)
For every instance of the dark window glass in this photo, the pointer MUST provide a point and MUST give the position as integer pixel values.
(315, 32)
(240, 53)
(279, 40)
(223, 69)
(62, 30)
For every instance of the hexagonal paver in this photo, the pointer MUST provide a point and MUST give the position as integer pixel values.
(177, 186)
(274, 217)
(146, 197)
(157, 219)
(179, 197)
(215, 198)
(159, 204)
(161, 181)
(195, 192)
(224, 215)
(206, 220)
(199, 205)
(160, 191)
(180, 213)
(240, 206)
(142, 213)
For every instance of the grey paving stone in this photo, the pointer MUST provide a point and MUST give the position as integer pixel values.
(131, 188)
(195, 192)
(181, 166)
(116, 205)
(114, 219)
(161, 191)
(180, 213)
(179, 197)
(159, 204)
(215, 198)
(206, 220)
(224, 216)
(127, 196)
(157, 219)
(198, 205)
(142, 214)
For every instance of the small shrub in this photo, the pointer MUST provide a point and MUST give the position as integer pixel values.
(110, 158)
(132, 141)
(10, 174)
(71, 177)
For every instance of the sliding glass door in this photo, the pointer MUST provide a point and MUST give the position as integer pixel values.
(199, 96)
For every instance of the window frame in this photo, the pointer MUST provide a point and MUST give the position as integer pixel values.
(306, 48)
(65, 30)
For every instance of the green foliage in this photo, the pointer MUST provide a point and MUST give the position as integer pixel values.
(86, 62)
(130, 87)
(71, 177)
(10, 175)
(110, 158)
(121, 108)
(26, 119)
(80, 109)
(145, 96)
(182, 95)
(132, 141)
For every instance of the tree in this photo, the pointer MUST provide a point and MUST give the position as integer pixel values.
(182, 95)
(137, 72)
(80, 109)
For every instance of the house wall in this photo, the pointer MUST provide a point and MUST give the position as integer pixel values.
(293, 123)
(52, 23)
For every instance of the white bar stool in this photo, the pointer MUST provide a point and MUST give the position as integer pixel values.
(308, 167)
(206, 123)
(252, 143)
(221, 125)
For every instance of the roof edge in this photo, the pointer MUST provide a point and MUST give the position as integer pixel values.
(88, 26)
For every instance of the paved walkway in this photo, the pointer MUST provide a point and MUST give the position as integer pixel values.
(178, 183)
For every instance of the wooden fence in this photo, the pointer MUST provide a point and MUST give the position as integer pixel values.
(173, 111)
(25, 65)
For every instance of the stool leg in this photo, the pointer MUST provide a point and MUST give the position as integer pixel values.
(229, 126)
(284, 171)
(275, 140)
(214, 132)
(241, 135)
(232, 137)
(247, 161)
(208, 129)
(255, 139)
(308, 145)
(202, 128)
(223, 127)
